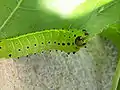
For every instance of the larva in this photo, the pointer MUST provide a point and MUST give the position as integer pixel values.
(65, 40)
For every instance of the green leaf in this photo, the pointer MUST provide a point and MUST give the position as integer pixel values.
(118, 87)
(23, 16)
(103, 16)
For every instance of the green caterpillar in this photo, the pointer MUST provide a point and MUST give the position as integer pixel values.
(65, 40)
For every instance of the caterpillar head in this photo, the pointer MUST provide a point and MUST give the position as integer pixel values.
(80, 37)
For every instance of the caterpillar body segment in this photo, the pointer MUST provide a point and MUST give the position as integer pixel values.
(68, 41)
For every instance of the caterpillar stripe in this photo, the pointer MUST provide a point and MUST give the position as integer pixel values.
(65, 40)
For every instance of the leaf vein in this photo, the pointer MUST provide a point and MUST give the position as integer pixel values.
(11, 14)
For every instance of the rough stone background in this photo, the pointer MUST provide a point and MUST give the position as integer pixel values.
(91, 68)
